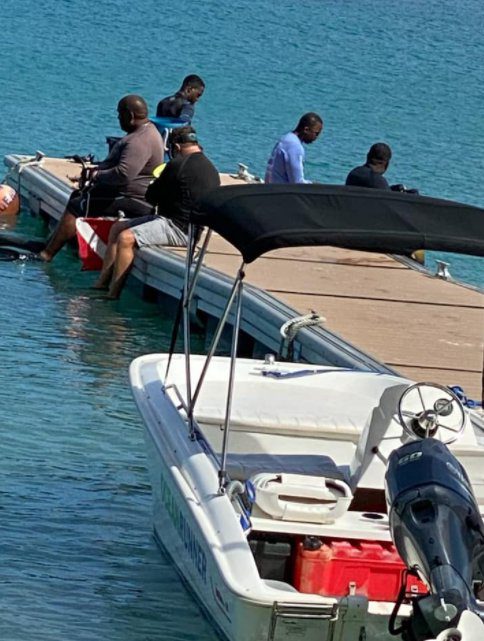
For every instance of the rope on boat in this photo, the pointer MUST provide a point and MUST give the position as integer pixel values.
(467, 402)
(290, 329)
(15, 171)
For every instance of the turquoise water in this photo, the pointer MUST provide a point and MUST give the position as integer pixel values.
(78, 561)
(410, 73)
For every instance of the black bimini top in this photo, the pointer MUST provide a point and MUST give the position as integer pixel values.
(258, 218)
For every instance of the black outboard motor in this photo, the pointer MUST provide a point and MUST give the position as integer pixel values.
(438, 531)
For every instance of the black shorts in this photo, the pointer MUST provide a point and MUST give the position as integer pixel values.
(102, 201)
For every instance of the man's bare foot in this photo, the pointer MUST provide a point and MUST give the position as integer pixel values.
(43, 255)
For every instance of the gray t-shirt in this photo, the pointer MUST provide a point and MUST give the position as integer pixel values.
(129, 166)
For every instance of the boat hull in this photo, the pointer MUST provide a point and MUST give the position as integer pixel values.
(234, 617)
(199, 530)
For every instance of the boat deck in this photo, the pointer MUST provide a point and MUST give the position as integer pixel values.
(424, 327)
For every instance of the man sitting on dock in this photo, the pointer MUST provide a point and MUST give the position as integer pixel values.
(371, 173)
(183, 182)
(182, 104)
(119, 183)
(286, 164)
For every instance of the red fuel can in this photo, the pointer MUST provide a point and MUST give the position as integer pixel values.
(374, 567)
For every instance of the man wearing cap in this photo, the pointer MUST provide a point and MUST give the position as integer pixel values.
(183, 182)
(371, 173)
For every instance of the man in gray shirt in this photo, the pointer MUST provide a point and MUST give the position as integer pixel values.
(118, 183)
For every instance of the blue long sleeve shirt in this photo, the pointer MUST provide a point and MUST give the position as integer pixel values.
(286, 164)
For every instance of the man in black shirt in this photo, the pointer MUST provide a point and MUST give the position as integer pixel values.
(371, 173)
(181, 185)
(182, 104)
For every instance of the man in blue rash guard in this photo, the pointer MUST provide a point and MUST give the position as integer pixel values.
(182, 104)
(286, 164)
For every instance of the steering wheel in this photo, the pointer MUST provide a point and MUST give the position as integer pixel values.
(429, 409)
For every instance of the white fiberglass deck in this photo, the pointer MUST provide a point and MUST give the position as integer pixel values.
(284, 398)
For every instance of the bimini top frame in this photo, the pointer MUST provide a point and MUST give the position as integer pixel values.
(256, 219)
(193, 266)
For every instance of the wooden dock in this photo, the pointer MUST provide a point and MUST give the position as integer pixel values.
(424, 327)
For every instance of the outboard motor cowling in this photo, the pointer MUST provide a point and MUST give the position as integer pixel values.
(438, 531)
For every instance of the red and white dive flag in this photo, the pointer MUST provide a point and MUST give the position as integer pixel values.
(92, 234)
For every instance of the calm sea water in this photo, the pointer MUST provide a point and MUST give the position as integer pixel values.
(78, 561)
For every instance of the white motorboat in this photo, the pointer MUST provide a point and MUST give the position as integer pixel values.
(315, 502)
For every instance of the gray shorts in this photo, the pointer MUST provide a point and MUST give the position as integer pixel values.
(156, 230)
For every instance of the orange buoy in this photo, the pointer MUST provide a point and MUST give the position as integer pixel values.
(9, 200)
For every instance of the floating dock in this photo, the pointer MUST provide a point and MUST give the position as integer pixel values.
(381, 312)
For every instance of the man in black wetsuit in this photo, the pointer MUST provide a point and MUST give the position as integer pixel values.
(119, 183)
(182, 104)
(371, 173)
(181, 185)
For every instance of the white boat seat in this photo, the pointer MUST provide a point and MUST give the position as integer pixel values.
(298, 497)
(244, 466)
